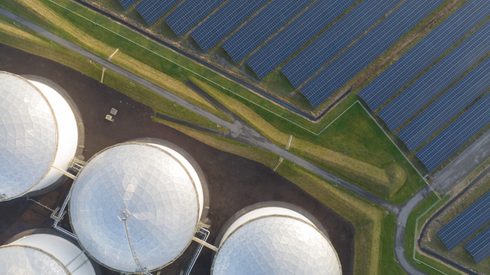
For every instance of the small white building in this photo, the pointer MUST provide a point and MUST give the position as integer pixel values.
(275, 241)
(135, 206)
(43, 254)
(38, 134)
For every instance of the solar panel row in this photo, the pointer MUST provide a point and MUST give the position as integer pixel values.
(466, 223)
(126, 3)
(152, 10)
(447, 106)
(479, 247)
(336, 74)
(293, 37)
(353, 24)
(259, 28)
(424, 53)
(224, 21)
(456, 134)
(410, 101)
(189, 14)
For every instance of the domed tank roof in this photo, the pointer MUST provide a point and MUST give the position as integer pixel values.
(136, 206)
(20, 259)
(43, 253)
(28, 132)
(275, 244)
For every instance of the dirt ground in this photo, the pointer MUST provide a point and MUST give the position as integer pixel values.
(233, 182)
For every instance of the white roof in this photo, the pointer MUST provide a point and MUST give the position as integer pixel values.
(28, 135)
(26, 260)
(276, 245)
(134, 206)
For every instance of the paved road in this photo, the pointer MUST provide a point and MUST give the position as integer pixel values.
(443, 182)
(238, 129)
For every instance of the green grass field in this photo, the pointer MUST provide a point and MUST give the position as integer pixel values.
(343, 140)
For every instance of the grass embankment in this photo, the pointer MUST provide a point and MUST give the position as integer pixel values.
(12, 35)
(353, 147)
(103, 43)
(380, 169)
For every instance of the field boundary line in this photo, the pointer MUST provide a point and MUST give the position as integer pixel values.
(400, 150)
(317, 133)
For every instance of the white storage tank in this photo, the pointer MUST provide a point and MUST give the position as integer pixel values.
(43, 254)
(38, 132)
(275, 241)
(135, 206)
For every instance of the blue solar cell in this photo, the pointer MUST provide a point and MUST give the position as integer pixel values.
(293, 37)
(353, 24)
(189, 13)
(456, 134)
(366, 50)
(152, 10)
(479, 247)
(259, 28)
(224, 21)
(466, 223)
(410, 101)
(447, 106)
(424, 53)
(126, 3)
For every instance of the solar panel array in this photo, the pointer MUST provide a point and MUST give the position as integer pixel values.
(152, 10)
(356, 58)
(424, 53)
(126, 3)
(449, 105)
(439, 77)
(479, 247)
(223, 22)
(295, 35)
(260, 27)
(189, 14)
(456, 134)
(466, 223)
(309, 60)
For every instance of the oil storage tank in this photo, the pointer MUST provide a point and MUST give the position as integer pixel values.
(38, 134)
(43, 254)
(274, 240)
(136, 206)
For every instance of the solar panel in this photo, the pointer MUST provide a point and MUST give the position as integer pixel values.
(189, 14)
(366, 50)
(224, 21)
(479, 247)
(152, 10)
(447, 106)
(259, 28)
(410, 101)
(424, 53)
(466, 223)
(456, 134)
(126, 3)
(353, 24)
(293, 37)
